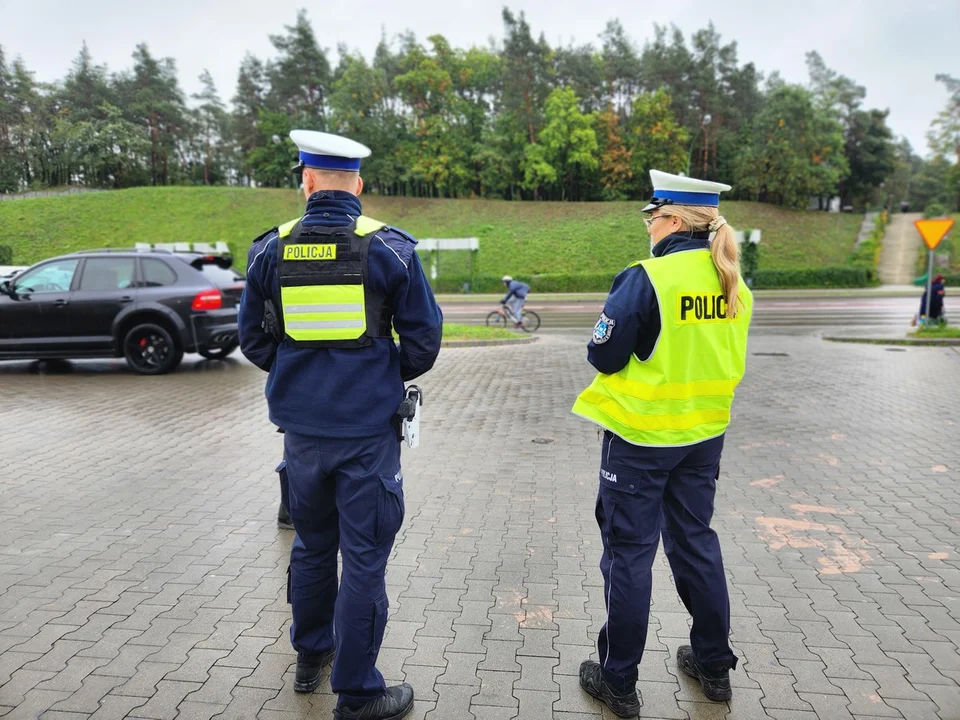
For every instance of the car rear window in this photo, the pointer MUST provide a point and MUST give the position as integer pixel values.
(156, 273)
(221, 277)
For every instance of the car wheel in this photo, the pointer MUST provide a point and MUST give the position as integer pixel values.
(218, 353)
(151, 350)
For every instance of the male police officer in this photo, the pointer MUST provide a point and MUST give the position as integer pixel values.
(323, 294)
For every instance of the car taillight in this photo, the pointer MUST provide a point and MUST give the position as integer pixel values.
(208, 300)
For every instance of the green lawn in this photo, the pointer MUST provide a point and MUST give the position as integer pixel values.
(937, 332)
(456, 331)
(521, 238)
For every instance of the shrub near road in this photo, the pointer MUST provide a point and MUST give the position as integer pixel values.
(522, 238)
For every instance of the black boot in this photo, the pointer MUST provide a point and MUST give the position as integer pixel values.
(625, 705)
(715, 683)
(309, 669)
(283, 519)
(394, 705)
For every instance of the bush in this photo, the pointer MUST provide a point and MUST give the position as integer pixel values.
(749, 259)
(6, 255)
(935, 210)
(841, 276)
(867, 254)
(545, 283)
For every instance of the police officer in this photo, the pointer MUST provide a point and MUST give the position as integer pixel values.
(517, 292)
(323, 294)
(670, 346)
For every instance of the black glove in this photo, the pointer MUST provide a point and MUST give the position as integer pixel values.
(272, 322)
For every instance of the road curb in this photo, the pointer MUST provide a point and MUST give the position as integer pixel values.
(918, 342)
(487, 343)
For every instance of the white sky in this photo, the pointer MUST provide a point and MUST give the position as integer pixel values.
(894, 49)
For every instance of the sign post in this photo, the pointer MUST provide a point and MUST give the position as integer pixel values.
(932, 232)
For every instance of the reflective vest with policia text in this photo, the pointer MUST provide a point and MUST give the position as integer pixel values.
(324, 298)
(682, 393)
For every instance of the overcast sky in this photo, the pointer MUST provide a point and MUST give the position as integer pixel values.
(894, 52)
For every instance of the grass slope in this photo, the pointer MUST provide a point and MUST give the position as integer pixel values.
(520, 238)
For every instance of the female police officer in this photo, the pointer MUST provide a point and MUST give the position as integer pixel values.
(670, 346)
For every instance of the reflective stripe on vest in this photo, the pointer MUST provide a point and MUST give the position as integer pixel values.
(682, 393)
(323, 312)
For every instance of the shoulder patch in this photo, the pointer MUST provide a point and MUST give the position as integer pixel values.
(261, 237)
(401, 233)
(399, 244)
(603, 329)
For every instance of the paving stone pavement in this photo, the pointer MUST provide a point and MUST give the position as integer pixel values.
(142, 574)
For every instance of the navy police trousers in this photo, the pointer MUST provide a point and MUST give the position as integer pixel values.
(345, 495)
(643, 491)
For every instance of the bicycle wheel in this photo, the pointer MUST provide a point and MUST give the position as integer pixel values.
(496, 319)
(530, 321)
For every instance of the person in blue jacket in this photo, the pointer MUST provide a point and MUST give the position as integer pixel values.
(669, 348)
(324, 294)
(517, 292)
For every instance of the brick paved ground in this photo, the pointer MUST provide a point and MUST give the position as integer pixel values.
(142, 575)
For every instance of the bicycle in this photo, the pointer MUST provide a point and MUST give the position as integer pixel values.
(504, 318)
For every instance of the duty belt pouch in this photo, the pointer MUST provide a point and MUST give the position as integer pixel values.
(324, 299)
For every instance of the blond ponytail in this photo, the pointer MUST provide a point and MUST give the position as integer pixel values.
(725, 254)
(723, 249)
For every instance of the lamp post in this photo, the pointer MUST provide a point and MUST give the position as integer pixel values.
(703, 123)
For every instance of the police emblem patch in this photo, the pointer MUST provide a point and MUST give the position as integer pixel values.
(603, 329)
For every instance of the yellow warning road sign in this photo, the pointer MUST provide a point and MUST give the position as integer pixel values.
(933, 231)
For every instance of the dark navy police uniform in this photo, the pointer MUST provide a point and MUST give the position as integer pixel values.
(341, 446)
(629, 509)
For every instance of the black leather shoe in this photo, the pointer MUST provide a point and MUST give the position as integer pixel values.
(309, 669)
(283, 519)
(394, 705)
(626, 705)
(716, 686)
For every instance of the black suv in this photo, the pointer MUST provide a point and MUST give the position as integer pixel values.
(149, 306)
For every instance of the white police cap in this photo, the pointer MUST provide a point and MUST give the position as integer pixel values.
(328, 152)
(679, 190)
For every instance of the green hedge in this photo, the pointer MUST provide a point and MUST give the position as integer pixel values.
(6, 255)
(867, 255)
(546, 283)
(841, 276)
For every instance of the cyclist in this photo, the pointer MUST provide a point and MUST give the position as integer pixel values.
(516, 297)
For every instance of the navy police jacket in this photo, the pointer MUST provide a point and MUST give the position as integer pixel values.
(632, 303)
(330, 392)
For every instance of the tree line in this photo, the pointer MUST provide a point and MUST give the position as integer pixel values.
(517, 119)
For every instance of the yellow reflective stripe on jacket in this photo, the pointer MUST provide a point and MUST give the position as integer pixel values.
(670, 391)
(323, 312)
(653, 423)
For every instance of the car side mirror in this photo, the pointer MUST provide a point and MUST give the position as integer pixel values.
(6, 287)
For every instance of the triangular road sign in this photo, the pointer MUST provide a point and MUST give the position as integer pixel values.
(933, 231)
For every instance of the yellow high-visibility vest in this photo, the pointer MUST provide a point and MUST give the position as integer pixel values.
(682, 393)
(323, 298)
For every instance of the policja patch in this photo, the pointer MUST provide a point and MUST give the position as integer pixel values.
(603, 329)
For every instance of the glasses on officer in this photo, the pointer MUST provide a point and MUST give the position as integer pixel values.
(651, 219)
